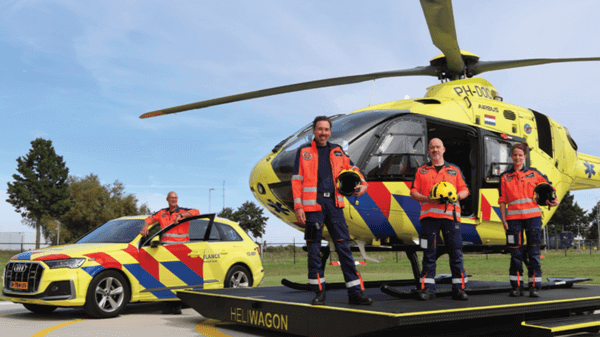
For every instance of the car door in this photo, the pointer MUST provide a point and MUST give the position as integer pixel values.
(167, 268)
(224, 248)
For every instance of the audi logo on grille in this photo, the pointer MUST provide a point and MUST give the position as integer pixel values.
(19, 268)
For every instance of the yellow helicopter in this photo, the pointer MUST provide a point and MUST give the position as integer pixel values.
(388, 142)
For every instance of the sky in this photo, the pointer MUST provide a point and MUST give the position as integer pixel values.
(81, 73)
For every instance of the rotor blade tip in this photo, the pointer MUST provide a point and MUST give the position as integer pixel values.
(152, 114)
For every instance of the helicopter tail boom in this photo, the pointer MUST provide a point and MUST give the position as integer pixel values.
(587, 173)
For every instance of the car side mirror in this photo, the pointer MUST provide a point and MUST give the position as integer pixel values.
(154, 244)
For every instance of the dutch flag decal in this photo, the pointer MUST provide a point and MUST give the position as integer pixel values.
(490, 120)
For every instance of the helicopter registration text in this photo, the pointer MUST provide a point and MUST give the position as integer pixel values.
(466, 90)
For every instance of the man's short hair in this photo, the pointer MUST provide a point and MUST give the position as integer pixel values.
(321, 118)
(520, 146)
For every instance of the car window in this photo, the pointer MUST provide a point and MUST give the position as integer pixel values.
(229, 233)
(115, 231)
(198, 230)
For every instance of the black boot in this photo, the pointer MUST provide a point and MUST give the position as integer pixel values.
(516, 292)
(361, 299)
(425, 295)
(319, 298)
(533, 292)
(460, 295)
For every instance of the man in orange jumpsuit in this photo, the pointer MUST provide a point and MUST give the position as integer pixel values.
(178, 235)
(317, 203)
(436, 216)
(167, 216)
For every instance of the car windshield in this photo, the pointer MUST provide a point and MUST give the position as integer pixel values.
(115, 231)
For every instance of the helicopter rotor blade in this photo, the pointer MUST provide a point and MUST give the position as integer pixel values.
(483, 66)
(329, 82)
(440, 20)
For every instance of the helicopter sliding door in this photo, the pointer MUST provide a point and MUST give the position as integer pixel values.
(495, 160)
(462, 149)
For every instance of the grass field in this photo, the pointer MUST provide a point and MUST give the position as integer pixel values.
(280, 265)
(479, 267)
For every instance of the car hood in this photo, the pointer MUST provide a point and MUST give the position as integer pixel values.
(68, 251)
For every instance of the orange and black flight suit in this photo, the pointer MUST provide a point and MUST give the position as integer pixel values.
(522, 214)
(179, 234)
(440, 217)
(313, 187)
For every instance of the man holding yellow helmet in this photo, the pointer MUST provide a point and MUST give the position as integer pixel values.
(439, 186)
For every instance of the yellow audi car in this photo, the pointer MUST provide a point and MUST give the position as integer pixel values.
(114, 265)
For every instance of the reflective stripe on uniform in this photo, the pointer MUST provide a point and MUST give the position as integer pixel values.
(460, 280)
(167, 235)
(428, 280)
(309, 202)
(297, 201)
(523, 211)
(440, 211)
(340, 198)
(515, 278)
(520, 201)
(309, 189)
(315, 281)
(297, 177)
(173, 242)
(353, 283)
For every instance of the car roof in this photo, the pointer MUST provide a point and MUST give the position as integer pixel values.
(141, 217)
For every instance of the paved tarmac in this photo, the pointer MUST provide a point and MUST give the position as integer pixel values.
(138, 320)
(144, 320)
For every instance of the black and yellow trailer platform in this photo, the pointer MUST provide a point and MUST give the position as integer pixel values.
(564, 307)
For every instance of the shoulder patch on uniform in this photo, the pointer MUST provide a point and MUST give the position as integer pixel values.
(307, 156)
(163, 215)
(508, 177)
(338, 153)
(451, 172)
(424, 170)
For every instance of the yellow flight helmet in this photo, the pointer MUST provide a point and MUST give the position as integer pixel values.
(444, 191)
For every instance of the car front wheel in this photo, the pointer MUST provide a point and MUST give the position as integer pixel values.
(107, 295)
(40, 309)
(238, 276)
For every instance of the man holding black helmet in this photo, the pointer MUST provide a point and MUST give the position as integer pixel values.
(317, 202)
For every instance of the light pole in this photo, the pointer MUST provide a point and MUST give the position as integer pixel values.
(598, 222)
(210, 189)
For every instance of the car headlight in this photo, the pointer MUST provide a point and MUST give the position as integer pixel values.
(65, 263)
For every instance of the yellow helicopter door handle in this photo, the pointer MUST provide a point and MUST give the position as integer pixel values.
(224, 252)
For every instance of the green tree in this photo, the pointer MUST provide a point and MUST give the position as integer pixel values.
(249, 216)
(94, 204)
(592, 228)
(40, 188)
(568, 217)
(227, 213)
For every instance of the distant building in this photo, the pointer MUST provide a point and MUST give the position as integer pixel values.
(22, 241)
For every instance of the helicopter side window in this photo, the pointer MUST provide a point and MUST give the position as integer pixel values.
(400, 152)
(497, 158)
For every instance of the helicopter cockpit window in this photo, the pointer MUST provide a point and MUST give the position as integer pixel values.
(400, 152)
(345, 129)
(497, 158)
